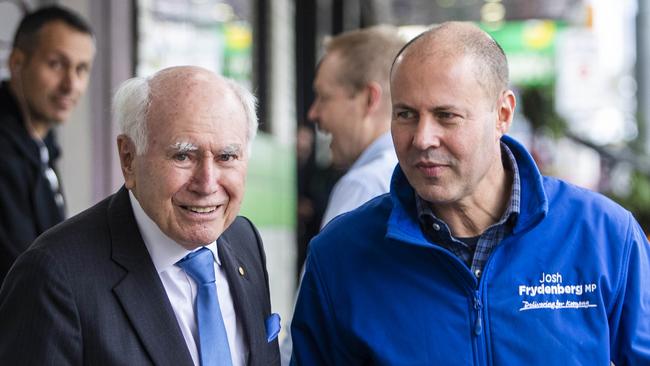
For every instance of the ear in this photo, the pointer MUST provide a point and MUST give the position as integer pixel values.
(126, 150)
(17, 59)
(505, 111)
(374, 93)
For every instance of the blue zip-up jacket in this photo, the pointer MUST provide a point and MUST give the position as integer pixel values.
(568, 286)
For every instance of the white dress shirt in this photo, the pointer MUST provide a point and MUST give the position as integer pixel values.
(181, 288)
(367, 178)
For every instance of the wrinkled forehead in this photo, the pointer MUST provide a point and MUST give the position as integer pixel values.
(179, 83)
(180, 89)
(193, 101)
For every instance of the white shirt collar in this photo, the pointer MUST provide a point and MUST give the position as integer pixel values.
(163, 250)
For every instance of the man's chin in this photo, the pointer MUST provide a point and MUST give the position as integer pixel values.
(436, 194)
(60, 113)
(51, 118)
(200, 237)
(59, 118)
(193, 243)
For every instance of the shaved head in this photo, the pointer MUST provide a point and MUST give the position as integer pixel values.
(455, 40)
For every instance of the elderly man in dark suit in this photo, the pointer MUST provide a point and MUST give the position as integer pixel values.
(164, 271)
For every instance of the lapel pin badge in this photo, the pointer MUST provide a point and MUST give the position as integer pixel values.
(241, 271)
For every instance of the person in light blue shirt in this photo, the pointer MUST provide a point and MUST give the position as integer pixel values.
(367, 178)
(352, 104)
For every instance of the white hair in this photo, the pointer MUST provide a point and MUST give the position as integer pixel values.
(249, 102)
(131, 105)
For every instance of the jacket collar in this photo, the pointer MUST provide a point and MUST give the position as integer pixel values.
(140, 291)
(403, 223)
(13, 126)
(145, 302)
(534, 201)
(244, 292)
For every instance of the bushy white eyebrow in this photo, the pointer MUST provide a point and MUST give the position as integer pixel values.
(184, 146)
(232, 149)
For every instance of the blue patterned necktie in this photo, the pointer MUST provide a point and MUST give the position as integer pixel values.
(213, 341)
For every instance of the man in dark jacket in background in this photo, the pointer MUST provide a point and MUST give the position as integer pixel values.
(49, 67)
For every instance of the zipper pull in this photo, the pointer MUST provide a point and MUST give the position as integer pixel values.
(478, 306)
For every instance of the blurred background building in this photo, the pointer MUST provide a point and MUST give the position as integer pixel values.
(580, 68)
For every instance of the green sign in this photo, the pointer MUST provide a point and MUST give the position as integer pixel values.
(270, 198)
(530, 47)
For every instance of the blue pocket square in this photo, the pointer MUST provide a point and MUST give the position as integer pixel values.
(272, 327)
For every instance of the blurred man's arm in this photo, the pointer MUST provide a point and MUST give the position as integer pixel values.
(630, 316)
(40, 324)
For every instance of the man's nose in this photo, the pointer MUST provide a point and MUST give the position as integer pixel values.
(427, 133)
(205, 177)
(312, 113)
(71, 81)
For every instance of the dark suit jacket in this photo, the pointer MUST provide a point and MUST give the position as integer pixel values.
(88, 293)
(27, 205)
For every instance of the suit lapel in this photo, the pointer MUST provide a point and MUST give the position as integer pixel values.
(141, 292)
(244, 294)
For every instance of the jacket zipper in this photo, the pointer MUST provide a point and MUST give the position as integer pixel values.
(479, 332)
(480, 358)
(478, 306)
(479, 335)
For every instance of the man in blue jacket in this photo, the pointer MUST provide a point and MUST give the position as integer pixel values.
(473, 258)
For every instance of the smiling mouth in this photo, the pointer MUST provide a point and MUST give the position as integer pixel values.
(200, 209)
(64, 102)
